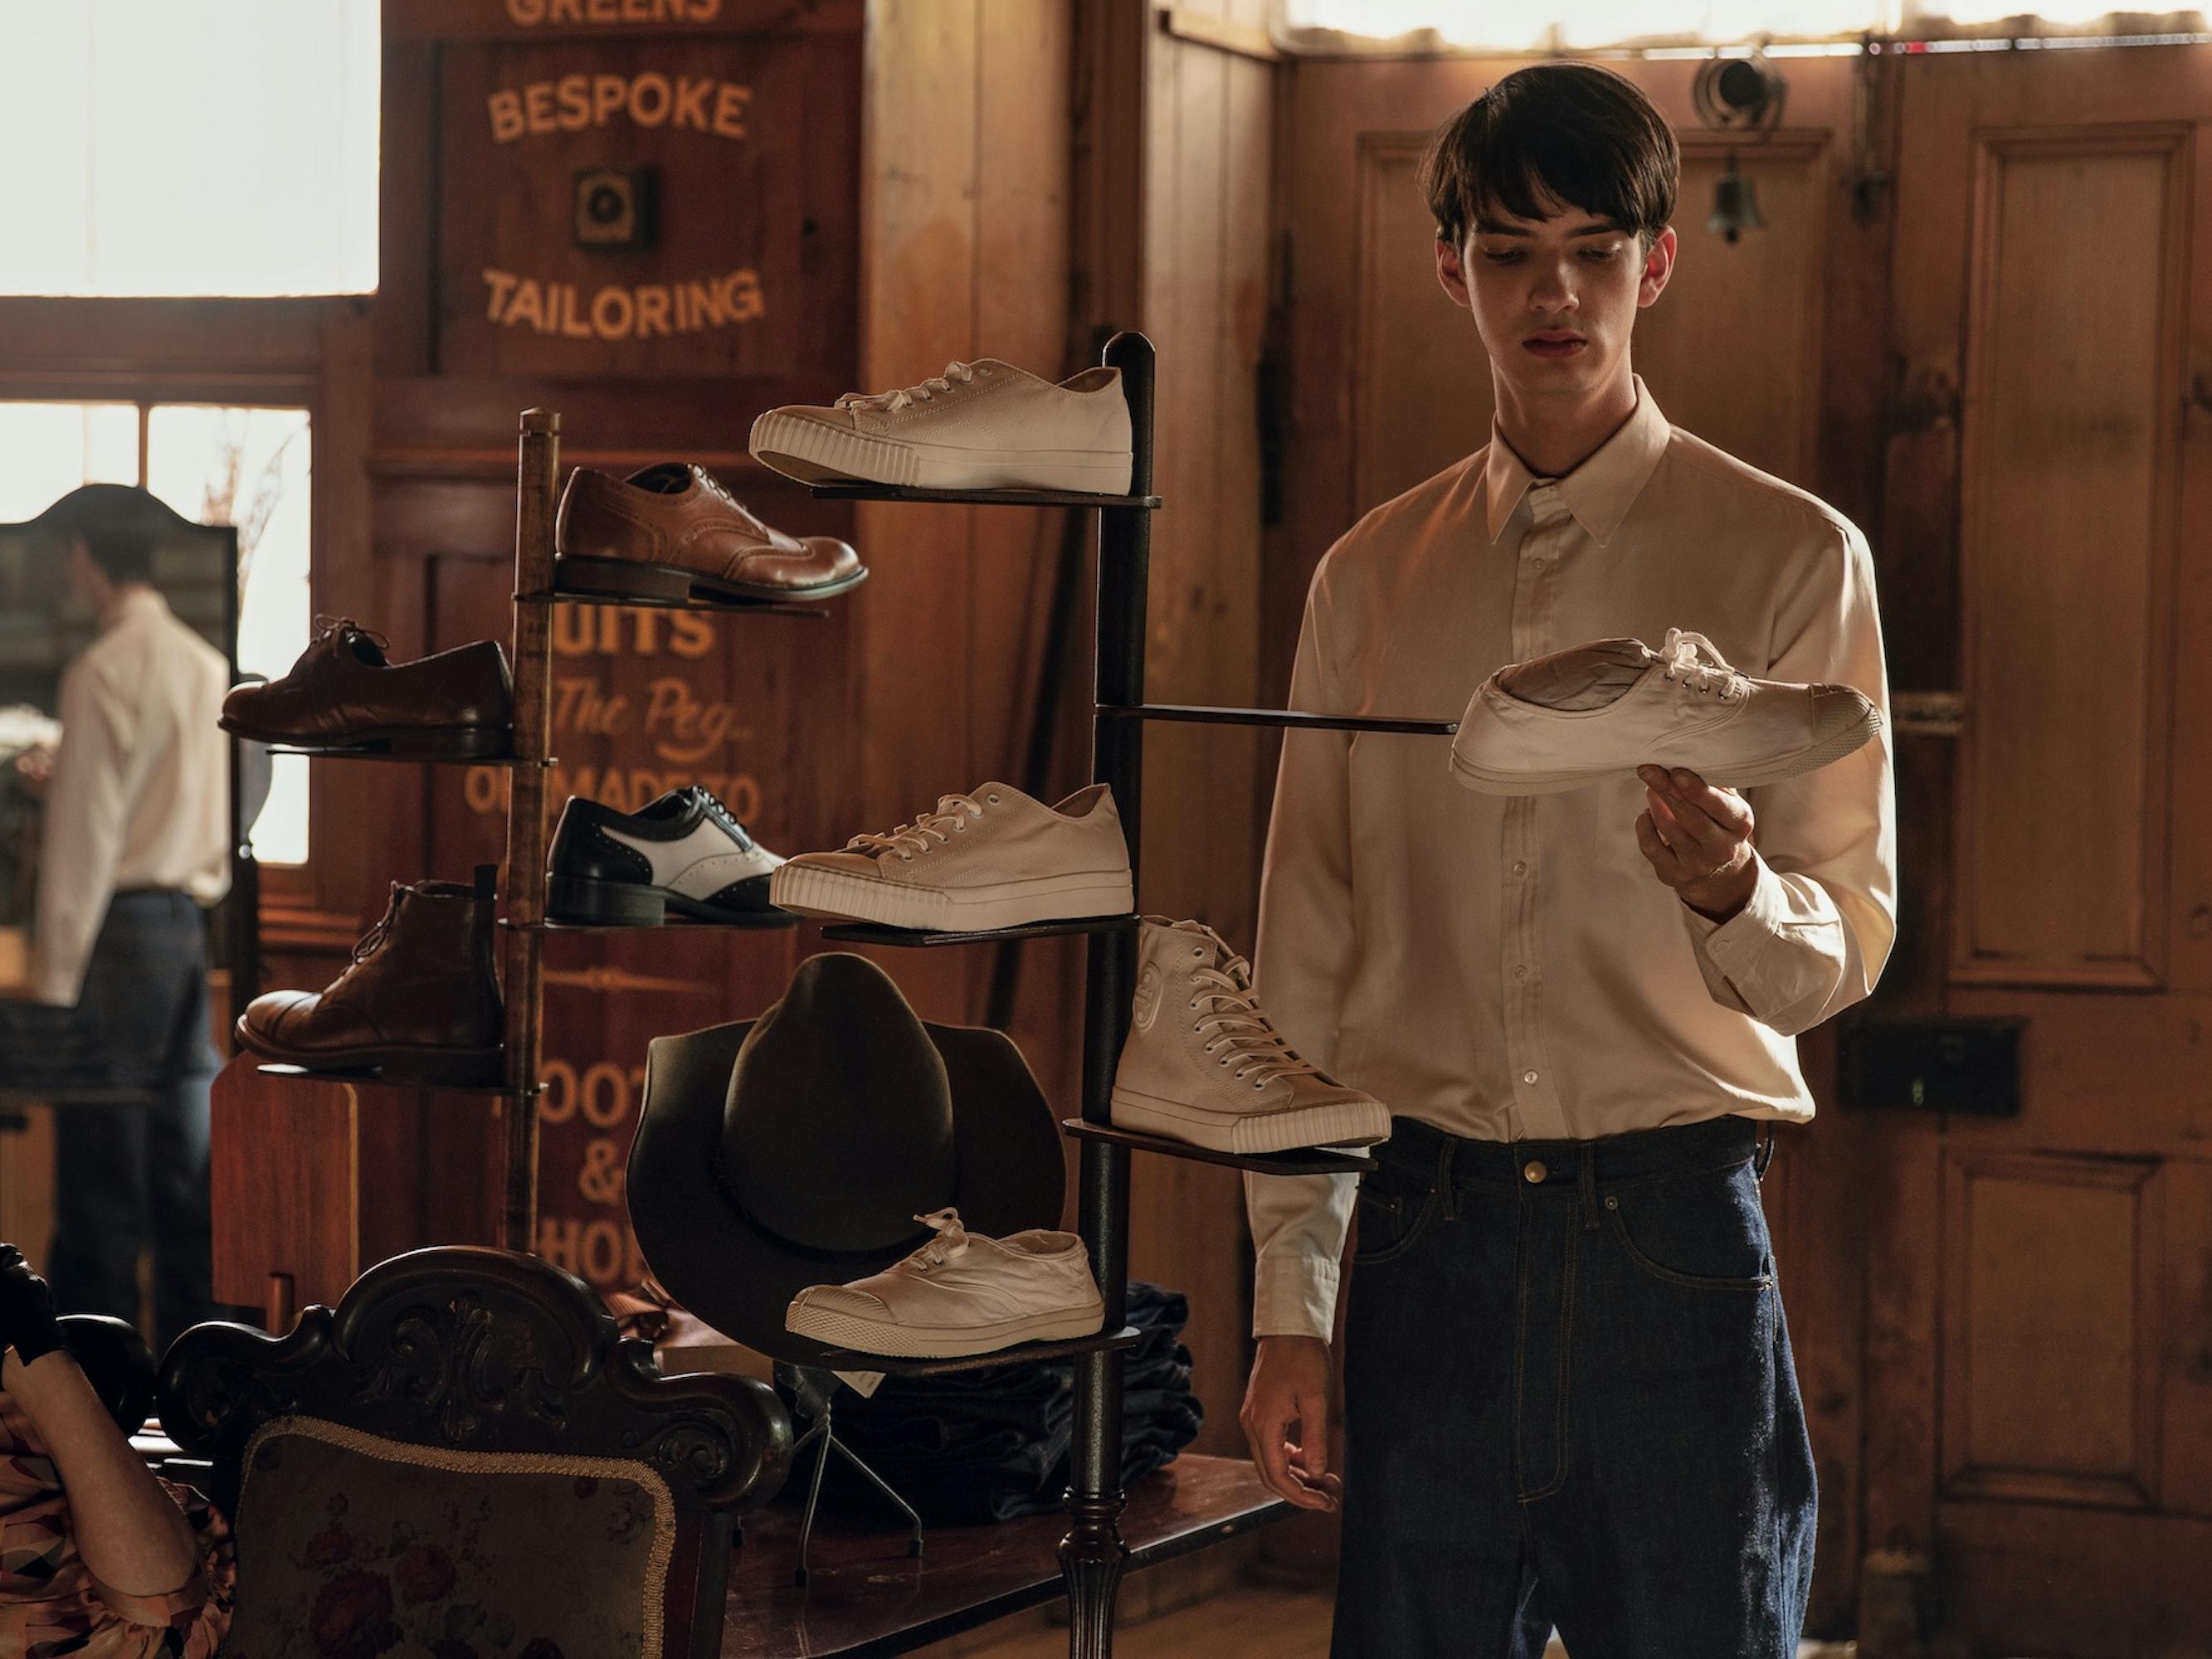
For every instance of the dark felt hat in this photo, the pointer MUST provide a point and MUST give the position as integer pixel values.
(797, 1149)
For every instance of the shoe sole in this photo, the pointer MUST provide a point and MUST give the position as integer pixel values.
(1344, 1124)
(582, 902)
(668, 584)
(1771, 770)
(467, 1067)
(849, 1331)
(399, 741)
(816, 454)
(831, 895)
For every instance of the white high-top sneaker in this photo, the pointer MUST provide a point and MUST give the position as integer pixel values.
(992, 859)
(961, 1293)
(1574, 717)
(984, 425)
(1203, 1063)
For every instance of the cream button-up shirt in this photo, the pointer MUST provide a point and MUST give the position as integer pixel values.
(141, 791)
(1510, 968)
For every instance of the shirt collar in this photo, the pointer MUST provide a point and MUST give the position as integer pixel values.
(138, 602)
(1599, 491)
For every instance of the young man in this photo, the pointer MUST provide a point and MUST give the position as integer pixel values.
(136, 840)
(1569, 1393)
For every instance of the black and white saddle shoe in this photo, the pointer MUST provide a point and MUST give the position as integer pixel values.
(683, 852)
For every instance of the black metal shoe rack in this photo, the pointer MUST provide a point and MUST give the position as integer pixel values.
(1092, 1553)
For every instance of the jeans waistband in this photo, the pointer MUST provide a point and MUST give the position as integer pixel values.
(1423, 1150)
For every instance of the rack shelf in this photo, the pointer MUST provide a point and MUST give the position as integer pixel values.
(745, 607)
(863, 932)
(877, 492)
(337, 1074)
(1293, 718)
(1308, 1160)
(851, 1360)
(308, 752)
(770, 922)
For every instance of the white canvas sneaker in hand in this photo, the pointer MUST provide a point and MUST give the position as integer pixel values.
(1204, 1064)
(960, 1293)
(992, 859)
(984, 425)
(1576, 716)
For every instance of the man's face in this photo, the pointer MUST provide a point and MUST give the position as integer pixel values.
(1554, 298)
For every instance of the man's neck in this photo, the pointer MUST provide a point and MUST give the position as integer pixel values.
(118, 600)
(1554, 435)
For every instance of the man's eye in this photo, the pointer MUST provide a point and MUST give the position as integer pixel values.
(1600, 253)
(1502, 256)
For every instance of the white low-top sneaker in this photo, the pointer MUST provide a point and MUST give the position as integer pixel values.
(1577, 716)
(961, 1293)
(1204, 1064)
(984, 425)
(684, 852)
(992, 859)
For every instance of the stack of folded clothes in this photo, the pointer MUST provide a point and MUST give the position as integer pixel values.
(989, 1445)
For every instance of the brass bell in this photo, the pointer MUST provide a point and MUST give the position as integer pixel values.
(1735, 206)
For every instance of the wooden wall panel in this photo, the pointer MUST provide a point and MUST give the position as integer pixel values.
(2070, 379)
(2048, 1369)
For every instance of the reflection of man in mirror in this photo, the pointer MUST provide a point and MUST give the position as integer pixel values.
(136, 840)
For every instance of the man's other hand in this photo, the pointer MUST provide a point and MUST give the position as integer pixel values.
(36, 769)
(1289, 1391)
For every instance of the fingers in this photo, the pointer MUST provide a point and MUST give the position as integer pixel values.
(1293, 1471)
(1655, 847)
(1709, 816)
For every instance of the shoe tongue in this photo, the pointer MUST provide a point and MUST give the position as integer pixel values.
(1583, 676)
(1218, 953)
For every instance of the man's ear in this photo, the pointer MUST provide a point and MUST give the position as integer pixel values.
(1658, 267)
(1453, 275)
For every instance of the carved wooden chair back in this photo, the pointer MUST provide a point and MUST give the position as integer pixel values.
(464, 1454)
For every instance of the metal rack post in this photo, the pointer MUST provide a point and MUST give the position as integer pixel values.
(538, 471)
(1091, 1555)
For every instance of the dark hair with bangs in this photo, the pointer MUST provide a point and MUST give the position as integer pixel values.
(1583, 135)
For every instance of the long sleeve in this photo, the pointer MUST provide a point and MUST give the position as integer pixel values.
(86, 818)
(1818, 926)
(1301, 961)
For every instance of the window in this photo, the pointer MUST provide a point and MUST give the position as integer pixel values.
(188, 147)
(247, 467)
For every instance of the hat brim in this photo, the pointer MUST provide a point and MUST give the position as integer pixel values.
(740, 1278)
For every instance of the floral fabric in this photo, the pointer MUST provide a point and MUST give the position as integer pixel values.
(355, 1547)
(50, 1602)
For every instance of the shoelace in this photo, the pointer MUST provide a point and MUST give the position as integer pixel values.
(326, 626)
(950, 1244)
(376, 935)
(1680, 654)
(1255, 1046)
(908, 839)
(889, 402)
(713, 806)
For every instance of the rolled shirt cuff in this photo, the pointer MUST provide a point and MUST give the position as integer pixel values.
(1294, 1296)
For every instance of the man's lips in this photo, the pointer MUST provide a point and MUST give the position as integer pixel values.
(1554, 345)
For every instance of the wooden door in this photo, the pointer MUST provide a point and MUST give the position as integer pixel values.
(2038, 1400)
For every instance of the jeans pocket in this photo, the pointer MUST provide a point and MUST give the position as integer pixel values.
(1703, 1232)
(1390, 1223)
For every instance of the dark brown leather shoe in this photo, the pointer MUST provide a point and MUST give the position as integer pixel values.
(670, 532)
(420, 998)
(344, 693)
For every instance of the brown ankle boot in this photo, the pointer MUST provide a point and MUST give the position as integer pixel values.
(420, 998)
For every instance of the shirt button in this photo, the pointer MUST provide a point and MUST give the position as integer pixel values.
(1533, 1172)
(1528, 1077)
(1521, 972)
(1519, 868)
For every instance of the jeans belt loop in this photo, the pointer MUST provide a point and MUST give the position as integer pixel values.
(1765, 1156)
(1588, 1184)
(1445, 1179)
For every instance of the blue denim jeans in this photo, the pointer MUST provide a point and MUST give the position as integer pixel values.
(128, 1176)
(1569, 1400)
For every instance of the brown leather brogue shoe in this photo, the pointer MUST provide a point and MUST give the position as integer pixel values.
(344, 693)
(420, 998)
(670, 532)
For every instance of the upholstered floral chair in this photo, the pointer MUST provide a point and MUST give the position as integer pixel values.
(462, 1460)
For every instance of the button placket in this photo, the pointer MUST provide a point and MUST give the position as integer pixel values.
(1534, 594)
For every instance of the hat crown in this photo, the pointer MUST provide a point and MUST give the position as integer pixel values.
(838, 1126)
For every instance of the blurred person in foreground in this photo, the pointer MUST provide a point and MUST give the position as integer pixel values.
(98, 1559)
(136, 842)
